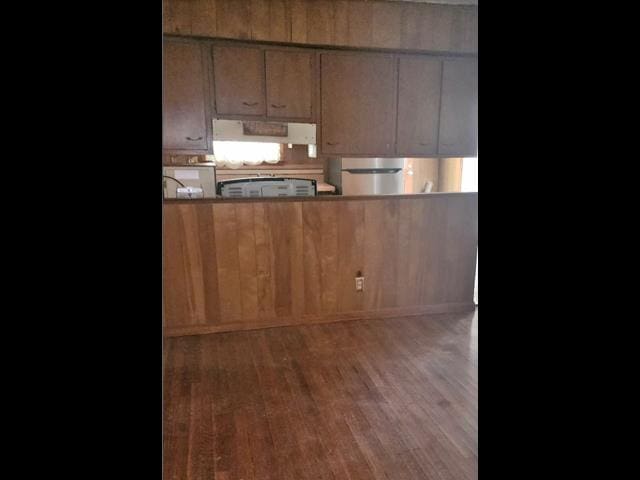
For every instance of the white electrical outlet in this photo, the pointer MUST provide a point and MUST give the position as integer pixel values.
(359, 284)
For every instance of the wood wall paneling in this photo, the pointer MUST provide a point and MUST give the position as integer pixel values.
(204, 20)
(380, 24)
(244, 265)
(233, 19)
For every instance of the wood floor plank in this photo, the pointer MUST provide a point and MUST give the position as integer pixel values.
(392, 399)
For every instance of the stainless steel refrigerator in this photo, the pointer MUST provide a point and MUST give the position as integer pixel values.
(367, 176)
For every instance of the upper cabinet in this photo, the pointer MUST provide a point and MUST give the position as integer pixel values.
(365, 104)
(358, 104)
(290, 83)
(419, 90)
(276, 84)
(459, 110)
(184, 114)
(239, 80)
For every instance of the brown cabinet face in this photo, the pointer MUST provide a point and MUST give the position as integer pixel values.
(418, 105)
(184, 99)
(239, 80)
(459, 111)
(358, 104)
(289, 84)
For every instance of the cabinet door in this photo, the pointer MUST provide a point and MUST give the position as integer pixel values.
(239, 80)
(184, 98)
(459, 113)
(418, 105)
(358, 104)
(289, 84)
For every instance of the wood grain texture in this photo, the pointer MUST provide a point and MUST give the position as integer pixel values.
(290, 81)
(419, 88)
(379, 24)
(233, 19)
(234, 266)
(184, 112)
(239, 80)
(360, 400)
(459, 108)
(356, 87)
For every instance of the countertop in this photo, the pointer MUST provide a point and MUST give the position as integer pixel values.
(319, 198)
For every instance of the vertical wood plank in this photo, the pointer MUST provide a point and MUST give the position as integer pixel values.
(341, 22)
(329, 258)
(207, 242)
(247, 261)
(405, 278)
(436, 27)
(298, 21)
(320, 22)
(263, 263)
(279, 21)
(460, 254)
(285, 228)
(320, 257)
(312, 243)
(296, 258)
(360, 23)
(176, 16)
(411, 27)
(381, 253)
(433, 264)
(386, 25)
(351, 242)
(229, 287)
(193, 265)
(260, 19)
(233, 19)
(203, 18)
(174, 269)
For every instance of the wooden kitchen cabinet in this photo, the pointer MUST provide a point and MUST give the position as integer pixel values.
(358, 104)
(239, 81)
(290, 83)
(419, 89)
(459, 110)
(184, 110)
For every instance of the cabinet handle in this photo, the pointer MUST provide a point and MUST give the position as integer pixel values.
(250, 104)
(333, 143)
(278, 106)
(425, 144)
(194, 139)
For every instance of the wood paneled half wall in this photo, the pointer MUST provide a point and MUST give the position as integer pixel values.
(341, 23)
(234, 265)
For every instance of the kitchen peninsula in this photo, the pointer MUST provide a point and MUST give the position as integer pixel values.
(239, 264)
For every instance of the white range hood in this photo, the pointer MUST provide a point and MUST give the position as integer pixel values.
(258, 131)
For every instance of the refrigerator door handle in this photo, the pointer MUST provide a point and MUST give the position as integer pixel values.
(369, 171)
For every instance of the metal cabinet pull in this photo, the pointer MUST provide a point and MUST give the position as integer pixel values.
(278, 106)
(194, 139)
(250, 104)
(333, 143)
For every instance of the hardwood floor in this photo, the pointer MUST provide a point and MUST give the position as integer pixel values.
(371, 399)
